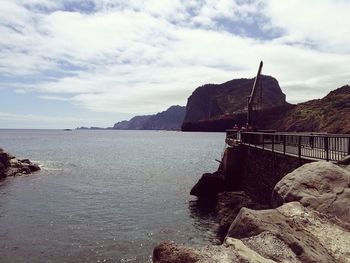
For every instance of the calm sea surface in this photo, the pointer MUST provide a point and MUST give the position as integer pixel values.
(104, 196)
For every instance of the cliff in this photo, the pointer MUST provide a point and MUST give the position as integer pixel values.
(170, 119)
(219, 107)
(329, 114)
(220, 101)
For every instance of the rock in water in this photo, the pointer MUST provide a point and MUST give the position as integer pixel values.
(10, 166)
(209, 185)
(322, 186)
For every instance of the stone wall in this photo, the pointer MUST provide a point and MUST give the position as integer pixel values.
(257, 171)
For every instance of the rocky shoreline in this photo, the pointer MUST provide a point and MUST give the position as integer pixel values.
(307, 220)
(11, 166)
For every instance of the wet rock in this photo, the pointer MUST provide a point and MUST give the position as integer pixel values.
(169, 252)
(25, 161)
(34, 167)
(308, 235)
(12, 171)
(10, 166)
(228, 206)
(5, 158)
(25, 170)
(209, 185)
(322, 186)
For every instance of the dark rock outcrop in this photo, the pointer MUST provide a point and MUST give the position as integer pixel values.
(209, 185)
(10, 166)
(170, 119)
(213, 102)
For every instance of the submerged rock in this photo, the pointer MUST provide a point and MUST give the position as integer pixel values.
(322, 186)
(209, 185)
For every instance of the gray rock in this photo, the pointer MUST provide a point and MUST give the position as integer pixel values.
(322, 186)
(232, 250)
(307, 234)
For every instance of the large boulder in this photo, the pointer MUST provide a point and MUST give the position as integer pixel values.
(306, 235)
(209, 185)
(322, 186)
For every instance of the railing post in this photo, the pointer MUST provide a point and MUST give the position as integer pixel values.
(348, 145)
(273, 143)
(263, 141)
(299, 147)
(284, 144)
(326, 147)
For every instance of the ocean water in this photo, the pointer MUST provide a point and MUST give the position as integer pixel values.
(104, 196)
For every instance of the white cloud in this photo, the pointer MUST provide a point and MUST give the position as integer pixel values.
(142, 56)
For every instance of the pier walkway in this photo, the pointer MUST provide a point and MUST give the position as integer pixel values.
(319, 146)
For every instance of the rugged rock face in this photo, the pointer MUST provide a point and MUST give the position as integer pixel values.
(329, 114)
(10, 166)
(171, 119)
(322, 186)
(290, 233)
(211, 101)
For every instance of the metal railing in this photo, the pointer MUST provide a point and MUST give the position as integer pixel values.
(323, 146)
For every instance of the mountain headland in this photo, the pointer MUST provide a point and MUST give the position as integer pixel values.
(170, 119)
(217, 107)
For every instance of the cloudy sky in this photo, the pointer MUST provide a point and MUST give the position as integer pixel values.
(67, 63)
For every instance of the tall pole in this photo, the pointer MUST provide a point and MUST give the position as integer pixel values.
(252, 96)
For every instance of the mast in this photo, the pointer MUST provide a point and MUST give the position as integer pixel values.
(252, 96)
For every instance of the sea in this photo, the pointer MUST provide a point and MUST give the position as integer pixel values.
(105, 196)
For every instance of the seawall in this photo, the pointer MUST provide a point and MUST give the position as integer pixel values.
(257, 171)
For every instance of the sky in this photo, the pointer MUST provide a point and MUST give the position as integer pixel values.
(70, 63)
